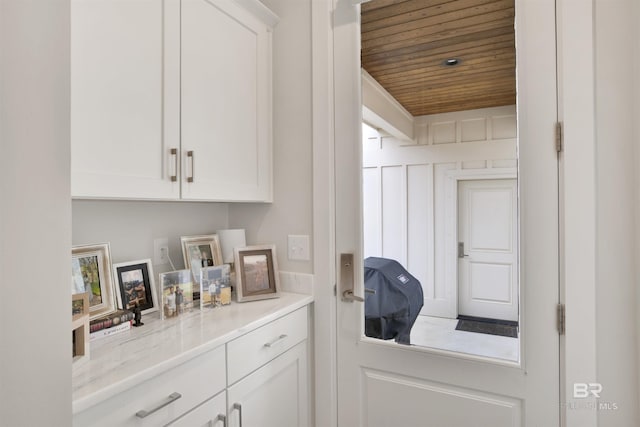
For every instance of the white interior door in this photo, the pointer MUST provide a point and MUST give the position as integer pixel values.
(488, 249)
(385, 384)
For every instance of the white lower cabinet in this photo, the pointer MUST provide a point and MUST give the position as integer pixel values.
(259, 379)
(276, 395)
(211, 413)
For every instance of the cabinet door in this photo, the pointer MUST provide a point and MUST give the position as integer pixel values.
(275, 395)
(124, 98)
(211, 413)
(226, 103)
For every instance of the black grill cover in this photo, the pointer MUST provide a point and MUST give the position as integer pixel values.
(392, 310)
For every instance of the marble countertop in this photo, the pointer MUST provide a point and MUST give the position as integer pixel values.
(122, 361)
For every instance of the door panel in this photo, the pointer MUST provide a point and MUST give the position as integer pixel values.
(417, 386)
(435, 401)
(487, 229)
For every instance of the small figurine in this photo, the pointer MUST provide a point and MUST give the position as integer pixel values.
(137, 315)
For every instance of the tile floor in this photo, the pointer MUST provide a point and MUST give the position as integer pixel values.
(436, 332)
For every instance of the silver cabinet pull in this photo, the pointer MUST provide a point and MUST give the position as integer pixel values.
(190, 178)
(174, 153)
(222, 418)
(276, 341)
(239, 408)
(172, 398)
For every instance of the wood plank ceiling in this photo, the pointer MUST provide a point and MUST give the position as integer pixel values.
(405, 43)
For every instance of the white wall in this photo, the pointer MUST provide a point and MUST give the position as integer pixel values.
(599, 105)
(407, 191)
(616, 286)
(35, 212)
(291, 210)
(636, 137)
(131, 226)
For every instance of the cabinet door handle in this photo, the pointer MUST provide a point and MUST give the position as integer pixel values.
(222, 418)
(276, 341)
(174, 153)
(170, 399)
(190, 154)
(239, 408)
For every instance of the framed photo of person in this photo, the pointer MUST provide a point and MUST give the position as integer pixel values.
(91, 273)
(176, 288)
(135, 285)
(198, 252)
(256, 273)
(215, 286)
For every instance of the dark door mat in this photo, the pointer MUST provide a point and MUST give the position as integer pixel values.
(504, 328)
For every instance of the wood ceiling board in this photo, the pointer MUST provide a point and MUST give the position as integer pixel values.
(439, 17)
(435, 84)
(404, 57)
(465, 25)
(405, 42)
(499, 54)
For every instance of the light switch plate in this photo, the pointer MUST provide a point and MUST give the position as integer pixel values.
(298, 248)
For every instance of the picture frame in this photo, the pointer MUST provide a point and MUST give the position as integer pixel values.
(135, 284)
(79, 305)
(256, 273)
(215, 286)
(176, 289)
(200, 251)
(80, 326)
(91, 272)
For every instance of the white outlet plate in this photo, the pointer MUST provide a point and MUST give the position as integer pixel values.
(160, 255)
(298, 248)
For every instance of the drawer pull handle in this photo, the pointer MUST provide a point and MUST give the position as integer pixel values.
(172, 398)
(239, 408)
(190, 154)
(222, 418)
(174, 153)
(276, 341)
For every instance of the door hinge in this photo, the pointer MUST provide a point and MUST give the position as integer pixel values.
(559, 137)
(561, 318)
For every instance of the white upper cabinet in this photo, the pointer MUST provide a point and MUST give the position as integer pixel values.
(171, 99)
(226, 97)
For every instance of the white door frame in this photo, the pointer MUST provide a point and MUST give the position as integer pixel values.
(451, 224)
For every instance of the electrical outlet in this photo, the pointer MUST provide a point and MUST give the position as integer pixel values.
(299, 248)
(161, 251)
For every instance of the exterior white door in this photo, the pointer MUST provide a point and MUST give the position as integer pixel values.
(488, 249)
(381, 383)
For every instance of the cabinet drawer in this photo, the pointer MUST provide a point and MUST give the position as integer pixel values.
(174, 392)
(211, 413)
(248, 352)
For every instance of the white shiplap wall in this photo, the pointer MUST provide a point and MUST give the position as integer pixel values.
(406, 186)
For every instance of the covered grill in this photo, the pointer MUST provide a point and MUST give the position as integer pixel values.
(391, 311)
